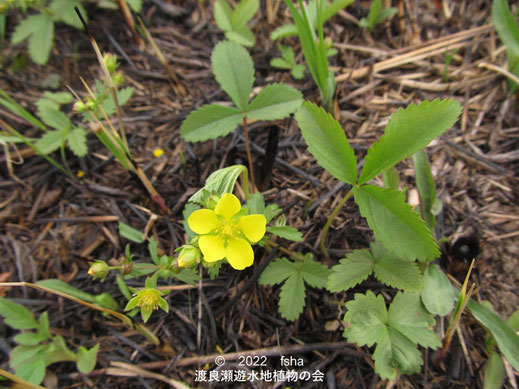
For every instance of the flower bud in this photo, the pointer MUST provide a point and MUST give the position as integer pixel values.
(211, 202)
(110, 61)
(99, 269)
(80, 107)
(188, 255)
(118, 78)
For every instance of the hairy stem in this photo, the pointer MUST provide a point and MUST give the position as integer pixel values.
(249, 156)
(329, 222)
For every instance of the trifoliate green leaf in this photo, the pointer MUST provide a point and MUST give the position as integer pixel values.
(276, 101)
(407, 315)
(16, 315)
(438, 295)
(292, 297)
(366, 316)
(77, 141)
(277, 271)
(351, 270)
(39, 29)
(188, 276)
(286, 232)
(395, 224)
(234, 71)
(408, 131)
(210, 122)
(314, 273)
(327, 142)
(50, 141)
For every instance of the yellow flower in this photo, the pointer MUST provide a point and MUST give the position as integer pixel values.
(224, 233)
(158, 152)
(148, 299)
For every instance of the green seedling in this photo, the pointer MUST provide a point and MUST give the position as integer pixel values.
(376, 15)
(287, 61)
(37, 350)
(330, 9)
(234, 22)
(315, 48)
(449, 56)
(508, 31)
(234, 71)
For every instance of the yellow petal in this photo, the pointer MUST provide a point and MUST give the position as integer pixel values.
(253, 226)
(203, 221)
(239, 254)
(228, 206)
(212, 247)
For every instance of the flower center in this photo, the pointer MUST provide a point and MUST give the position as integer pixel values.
(148, 299)
(227, 230)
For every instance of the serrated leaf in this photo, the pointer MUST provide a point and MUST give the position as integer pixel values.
(244, 12)
(395, 224)
(398, 273)
(506, 338)
(123, 96)
(314, 273)
(327, 142)
(29, 338)
(59, 98)
(298, 71)
(55, 118)
(222, 15)
(210, 122)
(63, 10)
(280, 63)
(130, 233)
(408, 131)
(32, 372)
(292, 297)
(283, 32)
(271, 211)
(437, 294)
(276, 272)
(288, 54)
(50, 141)
(276, 101)
(41, 37)
(188, 276)
(234, 71)
(395, 353)
(77, 142)
(256, 204)
(408, 316)
(241, 35)
(286, 232)
(87, 359)
(221, 181)
(351, 270)
(367, 317)
(16, 315)
(506, 26)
